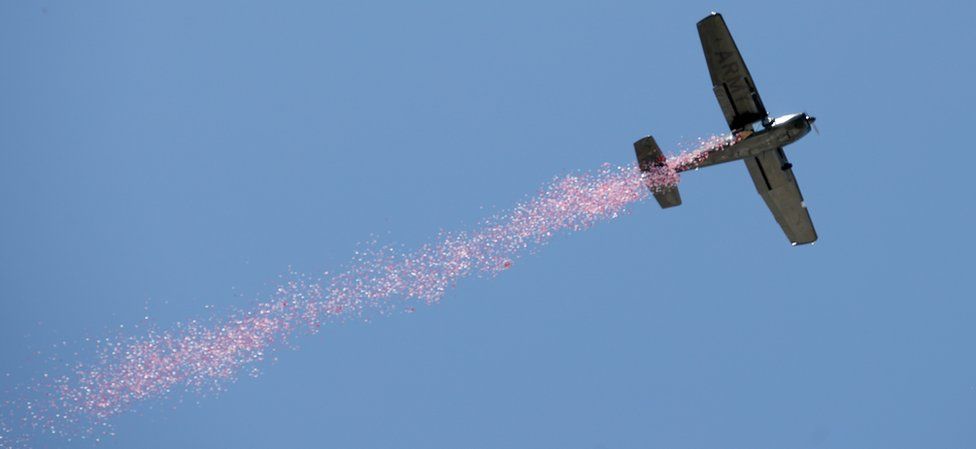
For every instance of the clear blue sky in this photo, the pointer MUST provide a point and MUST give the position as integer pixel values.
(186, 153)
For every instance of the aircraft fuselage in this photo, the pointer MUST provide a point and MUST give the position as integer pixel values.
(747, 143)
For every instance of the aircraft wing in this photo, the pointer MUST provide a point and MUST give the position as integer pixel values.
(773, 176)
(731, 82)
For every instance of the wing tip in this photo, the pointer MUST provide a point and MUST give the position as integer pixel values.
(809, 241)
(711, 16)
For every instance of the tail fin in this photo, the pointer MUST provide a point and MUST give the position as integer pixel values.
(650, 157)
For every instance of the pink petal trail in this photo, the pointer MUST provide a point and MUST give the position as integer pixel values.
(197, 357)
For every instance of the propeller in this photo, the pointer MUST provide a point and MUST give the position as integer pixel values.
(812, 121)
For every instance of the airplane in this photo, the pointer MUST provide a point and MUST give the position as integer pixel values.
(762, 150)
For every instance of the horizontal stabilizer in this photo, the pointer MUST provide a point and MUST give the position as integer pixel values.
(651, 158)
(667, 197)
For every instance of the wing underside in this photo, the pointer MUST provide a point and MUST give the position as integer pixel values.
(773, 176)
(731, 82)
